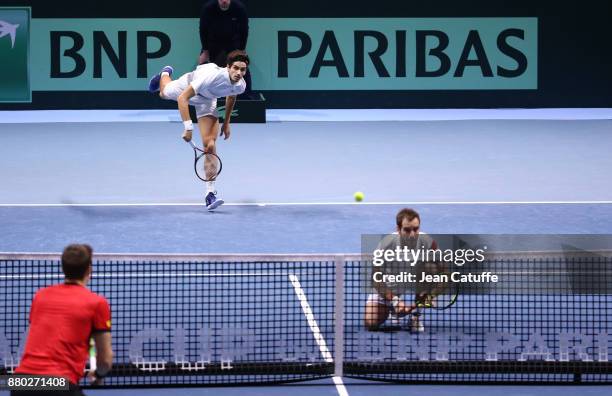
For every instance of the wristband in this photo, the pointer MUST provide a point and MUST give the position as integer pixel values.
(98, 375)
(395, 302)
(188, 125)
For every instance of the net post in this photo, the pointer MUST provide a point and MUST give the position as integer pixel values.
(339, 317)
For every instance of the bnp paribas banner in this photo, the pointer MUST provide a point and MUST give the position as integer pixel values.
(396, 54)
(14, 54)
(286, 54)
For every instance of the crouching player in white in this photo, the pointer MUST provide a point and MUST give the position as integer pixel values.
(201, 88)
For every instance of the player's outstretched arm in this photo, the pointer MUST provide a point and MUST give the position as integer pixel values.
(183, 106)
(230, 101)
(104, 357)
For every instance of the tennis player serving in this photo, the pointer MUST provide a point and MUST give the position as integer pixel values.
(201, 88)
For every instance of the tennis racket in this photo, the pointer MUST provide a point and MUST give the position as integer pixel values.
(440, 294)
(440, 300)
(207, 166)
(92, 355)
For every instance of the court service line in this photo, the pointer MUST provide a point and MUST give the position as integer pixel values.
(585, 202)
(315, 115)
(316, 332)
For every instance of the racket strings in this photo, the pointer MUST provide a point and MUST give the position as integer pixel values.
(211, 166)
(208, 167)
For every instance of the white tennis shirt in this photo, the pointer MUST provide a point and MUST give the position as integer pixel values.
(211, 82)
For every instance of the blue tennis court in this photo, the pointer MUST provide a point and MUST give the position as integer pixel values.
(123, 182)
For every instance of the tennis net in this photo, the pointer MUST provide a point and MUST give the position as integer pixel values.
(226, 319)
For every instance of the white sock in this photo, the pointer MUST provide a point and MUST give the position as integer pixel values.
(210, 187)
(165, 74)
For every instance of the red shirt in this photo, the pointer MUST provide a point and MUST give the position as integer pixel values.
(62, 319)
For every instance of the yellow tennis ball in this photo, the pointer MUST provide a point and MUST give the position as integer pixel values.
(358, 196)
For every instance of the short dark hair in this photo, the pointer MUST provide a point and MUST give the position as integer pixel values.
(76, 260)
(406, 213)
(237, 56)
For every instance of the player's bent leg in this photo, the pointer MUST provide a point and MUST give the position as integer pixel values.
(209, 125)
(416, 318)
(164, 81)
(154, 82)
(171, 89)
(416, 323)
(375, 315)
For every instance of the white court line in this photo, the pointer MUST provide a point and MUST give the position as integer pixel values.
(340, 386)
(316, 332)
(312, 322)
(315, 115)
(310, 203)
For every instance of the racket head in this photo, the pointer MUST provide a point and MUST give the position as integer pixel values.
(440, 293)
(445, 299)
(207, 166)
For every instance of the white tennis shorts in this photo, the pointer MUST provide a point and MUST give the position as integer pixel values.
(203, 106)
(377, 298)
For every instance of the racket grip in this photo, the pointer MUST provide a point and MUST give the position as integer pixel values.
(92, 355)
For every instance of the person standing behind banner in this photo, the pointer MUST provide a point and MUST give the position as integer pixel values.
(224, 27)
(63, 318)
